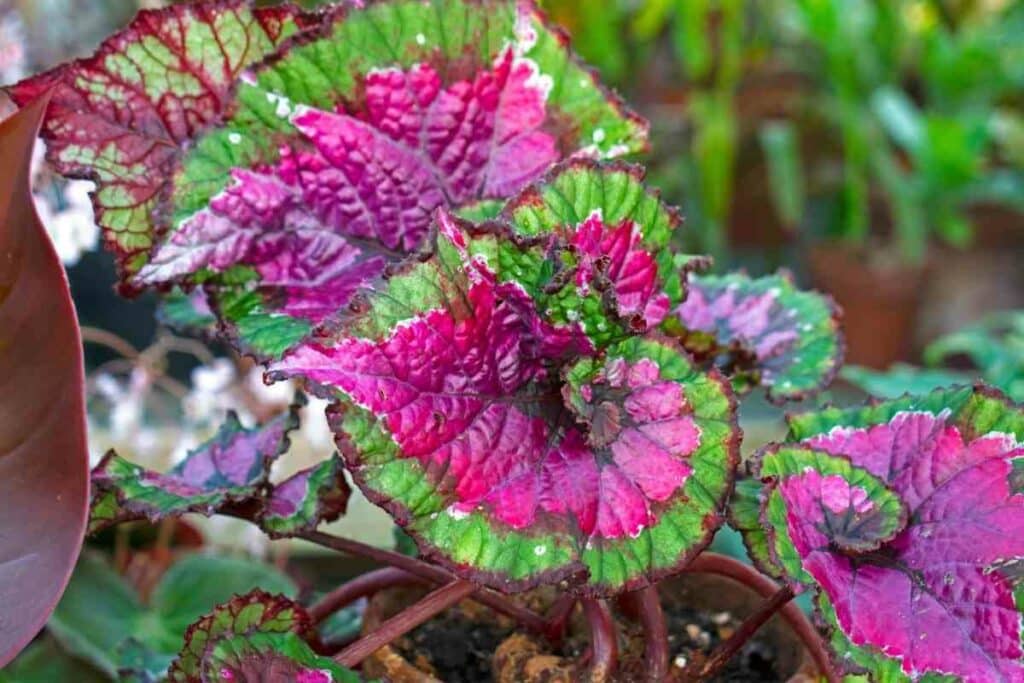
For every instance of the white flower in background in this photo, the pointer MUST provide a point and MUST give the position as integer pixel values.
(211, 396)
(13, 60)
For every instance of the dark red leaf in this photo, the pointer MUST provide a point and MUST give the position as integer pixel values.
(44, 461)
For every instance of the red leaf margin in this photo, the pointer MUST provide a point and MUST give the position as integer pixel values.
(44, 458)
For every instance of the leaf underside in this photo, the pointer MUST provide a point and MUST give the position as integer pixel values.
(907, 517)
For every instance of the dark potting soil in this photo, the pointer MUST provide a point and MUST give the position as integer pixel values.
(454, 648)
(693, 635)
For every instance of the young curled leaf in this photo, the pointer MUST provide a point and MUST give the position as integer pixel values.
(230, 469)
(613, 270)
(762, 331)
(124, 116)
(504, 446)
(254, 637)
(307, 498)
(907, 517)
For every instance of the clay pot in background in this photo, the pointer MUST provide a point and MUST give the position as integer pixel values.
(880, 302)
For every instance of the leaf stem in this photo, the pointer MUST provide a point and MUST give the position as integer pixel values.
(726, 650)
(499, 603)
(647, 602)
(557, 617)
(433, 604)
(362, 586)
(713, 563)
(604, 644)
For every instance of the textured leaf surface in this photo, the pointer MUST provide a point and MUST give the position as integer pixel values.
(307, 498)
(932, 597)
(44, 461)
(230, 468)
(344, 144)
(102, 620)
(254, 637)
(767, 331)
(123, 116)
(608, 265)
(473, 421)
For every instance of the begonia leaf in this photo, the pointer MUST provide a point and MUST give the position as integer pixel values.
(253, 637)
(930, 598)
(229, 469)
(745, 517)
(188, 313)
(763, 331)
(344, 143)
(307, 498)
(44, 458)
(103, 620)
(609, 266)
(125, 116)
(473, 421)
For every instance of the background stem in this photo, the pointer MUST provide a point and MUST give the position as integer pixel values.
(726, 650)
(652, 618)
(362, 586)
(713, 563)
(405, 621)
(528, 618)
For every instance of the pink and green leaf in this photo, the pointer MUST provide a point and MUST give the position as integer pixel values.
(936, 598)
(343, 145)
(454, 408)
(614, 272)
(256, 636)
(229, 469)
(764, 330)
(124, 116)
(304, 500)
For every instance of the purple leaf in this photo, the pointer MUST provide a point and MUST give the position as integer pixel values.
(931, 596)
(764, 330)
(44, 460)
(228, 470)
(307, 498)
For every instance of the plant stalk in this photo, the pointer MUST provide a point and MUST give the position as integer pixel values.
(499, 603)
(426, 609)
(362, 586)
(726, 650)
(604, 642)
(558, 617)
(647, 602)
(713, 563)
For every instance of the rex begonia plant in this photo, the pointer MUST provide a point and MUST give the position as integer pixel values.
(411, 209)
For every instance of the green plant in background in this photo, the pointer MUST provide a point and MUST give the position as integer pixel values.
(917, 128)
(994, 347)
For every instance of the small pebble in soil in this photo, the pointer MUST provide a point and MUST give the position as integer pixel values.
(693, 636)
(458, 649)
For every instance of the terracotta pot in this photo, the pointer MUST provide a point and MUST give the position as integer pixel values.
(880, 303)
